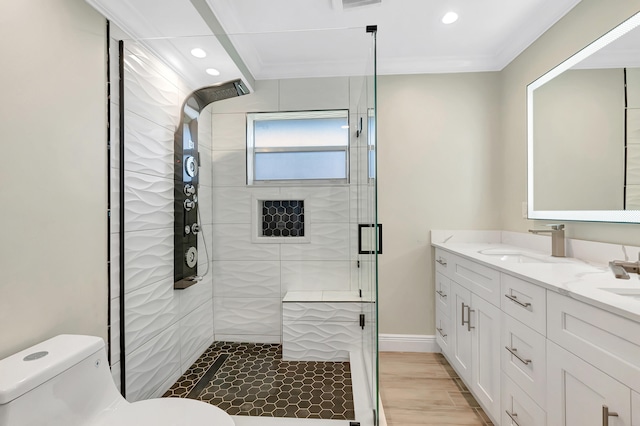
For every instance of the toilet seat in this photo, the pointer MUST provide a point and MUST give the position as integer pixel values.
(165, 412)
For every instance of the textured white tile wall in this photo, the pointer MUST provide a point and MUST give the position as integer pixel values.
(165, 329)
(246, 279)
(261, 316)
(149, 311)
(153, 364)
(318, 341)
(246, 274)
(196, 334)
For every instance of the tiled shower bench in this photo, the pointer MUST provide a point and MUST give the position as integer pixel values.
(321, 325)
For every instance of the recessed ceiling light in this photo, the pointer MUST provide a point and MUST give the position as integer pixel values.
(198, 53)
(449, 18)
(212, 71)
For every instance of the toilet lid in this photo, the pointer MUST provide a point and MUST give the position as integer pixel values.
(166, 412)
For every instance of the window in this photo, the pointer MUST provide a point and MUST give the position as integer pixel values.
(304, 146)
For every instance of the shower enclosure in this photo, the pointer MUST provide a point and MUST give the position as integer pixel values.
(241, 290)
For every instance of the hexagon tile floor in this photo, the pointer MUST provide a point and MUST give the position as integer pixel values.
(253, 380)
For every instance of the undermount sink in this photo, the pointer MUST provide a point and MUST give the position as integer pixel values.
(516, 256)
(632, 293)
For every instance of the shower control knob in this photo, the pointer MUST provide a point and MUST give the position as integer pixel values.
(191, 166)
(189, 190)
(187, 229)
(195, 228)
(189, 204)
(191, 257)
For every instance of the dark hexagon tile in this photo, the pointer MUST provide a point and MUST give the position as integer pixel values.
(254, 381)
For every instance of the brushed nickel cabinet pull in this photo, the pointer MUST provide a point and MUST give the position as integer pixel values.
(441, 293)
(440, 331)
(514, 352)
(512, 416)
(468, 321)
(442, 262)
(606, 414)
(514, 299)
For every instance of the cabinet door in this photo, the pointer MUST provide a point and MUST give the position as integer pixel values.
(577, 392)
(460, 342)
(485, 349)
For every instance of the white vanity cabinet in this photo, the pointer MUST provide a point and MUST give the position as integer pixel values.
(579, 393)
(473, 339)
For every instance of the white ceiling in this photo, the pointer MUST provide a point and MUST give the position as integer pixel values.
(313, 38)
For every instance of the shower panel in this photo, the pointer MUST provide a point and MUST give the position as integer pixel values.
(186, 190)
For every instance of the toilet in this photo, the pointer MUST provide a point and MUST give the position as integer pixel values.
(66, 381)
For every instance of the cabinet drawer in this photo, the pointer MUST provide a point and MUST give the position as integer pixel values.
(518, 407)
(443, 293)
(525, 302)
(443, 262)
(605, 340)
(443, 331)
(524, 357)
(477, 278)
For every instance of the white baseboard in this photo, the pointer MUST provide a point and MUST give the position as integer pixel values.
(407, 343)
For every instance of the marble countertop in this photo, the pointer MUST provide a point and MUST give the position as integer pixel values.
(587, 278)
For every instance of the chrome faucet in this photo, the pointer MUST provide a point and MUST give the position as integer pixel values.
(557, 238)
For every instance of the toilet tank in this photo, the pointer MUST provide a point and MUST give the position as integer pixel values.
(65, 380)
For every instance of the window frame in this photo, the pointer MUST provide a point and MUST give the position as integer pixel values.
(292, 115)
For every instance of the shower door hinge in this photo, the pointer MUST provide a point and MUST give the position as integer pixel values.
(362, 321)
(358, 263)
(360, 292)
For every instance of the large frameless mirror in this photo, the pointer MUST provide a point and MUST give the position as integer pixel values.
(584, 133)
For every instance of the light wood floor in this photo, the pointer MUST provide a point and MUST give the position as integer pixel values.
(423, 389)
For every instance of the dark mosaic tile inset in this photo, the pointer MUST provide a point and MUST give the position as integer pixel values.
(254, 381)
(283, 218)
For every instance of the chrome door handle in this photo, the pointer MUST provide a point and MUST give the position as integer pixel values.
(512, 416)
(441, 293)
(514, 299)
(442, 262)
(606, 414)
(514, 352)
(468, 321)
(440, 331)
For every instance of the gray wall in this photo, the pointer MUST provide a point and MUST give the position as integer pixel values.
(53, 174)
(438, 139)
